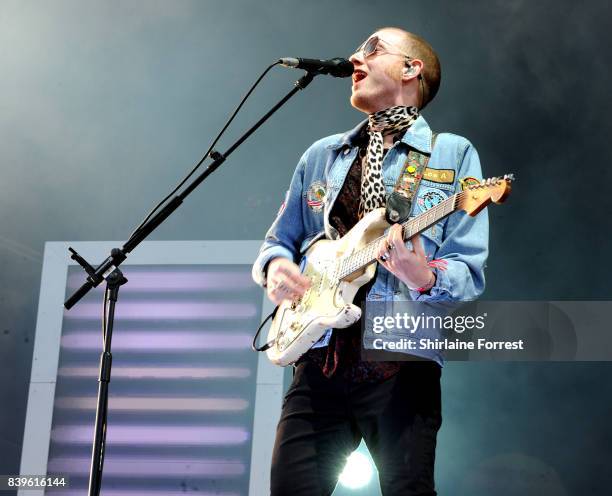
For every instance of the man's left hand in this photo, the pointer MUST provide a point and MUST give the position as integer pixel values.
(409, 266)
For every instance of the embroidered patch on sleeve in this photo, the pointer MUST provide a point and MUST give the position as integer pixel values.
(445, 176)
(315, 198)
(284, 204)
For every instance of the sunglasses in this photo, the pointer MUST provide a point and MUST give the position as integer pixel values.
(372, 45)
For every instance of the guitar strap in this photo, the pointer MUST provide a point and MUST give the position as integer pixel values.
(399, 202)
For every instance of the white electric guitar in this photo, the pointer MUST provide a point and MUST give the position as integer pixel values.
(338, 268)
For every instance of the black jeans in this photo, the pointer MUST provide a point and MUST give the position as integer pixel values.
(323, 421)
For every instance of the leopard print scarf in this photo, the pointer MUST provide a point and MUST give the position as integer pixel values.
(383, 122)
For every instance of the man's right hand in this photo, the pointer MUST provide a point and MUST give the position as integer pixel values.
(285, 281)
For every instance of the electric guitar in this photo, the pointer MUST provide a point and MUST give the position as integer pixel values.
(338, 268)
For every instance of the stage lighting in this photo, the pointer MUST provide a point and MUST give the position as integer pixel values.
(357, 471)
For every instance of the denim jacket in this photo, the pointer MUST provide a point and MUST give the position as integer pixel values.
(461, 240)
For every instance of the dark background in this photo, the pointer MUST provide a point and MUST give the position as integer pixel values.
(105, 105)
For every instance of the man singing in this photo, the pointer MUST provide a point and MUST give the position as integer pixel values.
(337, 398)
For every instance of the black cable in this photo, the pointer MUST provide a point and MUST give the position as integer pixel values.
(269, 344)
(197, 166)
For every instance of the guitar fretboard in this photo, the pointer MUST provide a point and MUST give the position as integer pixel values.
(367, 254)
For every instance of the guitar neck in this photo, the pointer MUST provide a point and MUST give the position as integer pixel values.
(367, 254)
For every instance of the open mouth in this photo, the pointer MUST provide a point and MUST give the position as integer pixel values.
(358, 75)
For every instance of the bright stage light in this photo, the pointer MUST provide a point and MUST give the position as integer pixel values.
(357, 472)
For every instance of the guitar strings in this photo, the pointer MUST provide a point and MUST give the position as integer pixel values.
(359, 259)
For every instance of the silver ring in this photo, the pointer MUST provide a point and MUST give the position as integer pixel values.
(391, 246)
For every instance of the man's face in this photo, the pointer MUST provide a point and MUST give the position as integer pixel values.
(377, 80)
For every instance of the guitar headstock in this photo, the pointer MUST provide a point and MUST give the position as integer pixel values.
(477, 196)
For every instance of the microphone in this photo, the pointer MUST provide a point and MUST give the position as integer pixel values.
(337, 67)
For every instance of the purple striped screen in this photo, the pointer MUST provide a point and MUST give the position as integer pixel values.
(182, 390)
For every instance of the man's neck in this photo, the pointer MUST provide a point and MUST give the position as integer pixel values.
(388, 140)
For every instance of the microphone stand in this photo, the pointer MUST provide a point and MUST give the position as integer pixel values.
(109, 270)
